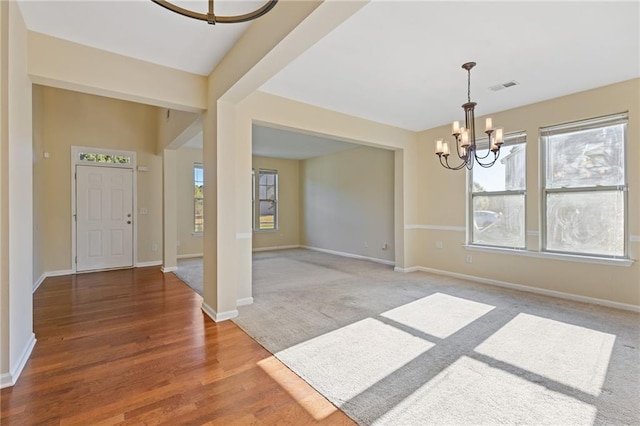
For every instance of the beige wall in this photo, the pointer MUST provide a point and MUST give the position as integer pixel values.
(348, 202)
(287, 233)
(442, 203)
(175, 128)
(72, 118)
(188, 243)
(39, 185)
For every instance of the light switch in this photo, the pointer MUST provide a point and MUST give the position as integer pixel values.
(144, 210)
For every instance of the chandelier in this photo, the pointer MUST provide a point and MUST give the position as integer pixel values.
(465, 144)
(211, 17)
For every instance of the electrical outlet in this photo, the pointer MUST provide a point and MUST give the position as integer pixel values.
(439, 244)
(154, 247)
(469, 258)
(385, 246)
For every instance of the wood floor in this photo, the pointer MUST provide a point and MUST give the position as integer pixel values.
(133, 347)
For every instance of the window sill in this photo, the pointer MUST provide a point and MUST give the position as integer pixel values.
(552, 256)
(197, 234)
(264, 231)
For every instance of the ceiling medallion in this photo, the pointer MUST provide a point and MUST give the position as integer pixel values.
(211, 17)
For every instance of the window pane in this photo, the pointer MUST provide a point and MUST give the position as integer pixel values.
(498, 220)
(586, 157)
(199, 215)
(508, 173)
(267, 215)
(586, 222)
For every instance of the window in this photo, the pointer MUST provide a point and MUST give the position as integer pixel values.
(198, 198)
(584, 189)
(104, 158)
(267, 200)
(497, 196)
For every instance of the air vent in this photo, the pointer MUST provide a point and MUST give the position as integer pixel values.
(506, 85)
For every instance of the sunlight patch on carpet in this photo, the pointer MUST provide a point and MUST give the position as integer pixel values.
(439, 315)
(349, 360)
(568, 354)
(471, 392)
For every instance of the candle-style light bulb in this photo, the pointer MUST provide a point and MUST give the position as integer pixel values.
(456, 128)
(499, 137)
(445, 148)
(488, 124)
(464, 141)
(439, 146)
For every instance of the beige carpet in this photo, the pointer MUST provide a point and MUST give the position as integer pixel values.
(414, 349)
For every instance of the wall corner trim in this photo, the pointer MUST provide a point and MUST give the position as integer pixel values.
(166, 269)
(39, 281)
(10, 379)
(529, 289)
(218, 317)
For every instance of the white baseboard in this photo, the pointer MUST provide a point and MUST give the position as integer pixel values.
(245, 301)
(166, 269)
(277, 248)
(536, 290)
(38, 282)
(59, 273)
(147, 264)
(189, 256)
(353, 256)
(218, 317)
(10, 379)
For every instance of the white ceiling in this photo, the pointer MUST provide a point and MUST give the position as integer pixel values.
(395, 62)
(398, 62)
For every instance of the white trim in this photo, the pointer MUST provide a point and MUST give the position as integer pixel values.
(276, 248)
(39, 281)
(437, 227)
(243, 235)
(552, 256)
(533, 233)
(245, 301)
(406, 270)
(218, 317)
(353, 256)
(75, 160)
(167, 269)
(634, 238)
(150, 263)
(10, 378)
(59, 273)
(536, 290)
(189, 256)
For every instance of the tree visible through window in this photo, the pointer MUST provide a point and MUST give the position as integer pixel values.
(198, 198)
(498, 196)
(584, 192)
(267, 200)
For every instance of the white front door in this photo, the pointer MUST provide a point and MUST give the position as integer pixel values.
(104, 218)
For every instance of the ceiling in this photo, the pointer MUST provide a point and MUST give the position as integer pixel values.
(394, 62)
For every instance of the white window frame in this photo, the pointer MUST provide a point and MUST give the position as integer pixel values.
(256, 192)
(620, 118)
(195, 199)
(514, 138)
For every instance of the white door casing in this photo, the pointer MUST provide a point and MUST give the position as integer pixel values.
(104, 217)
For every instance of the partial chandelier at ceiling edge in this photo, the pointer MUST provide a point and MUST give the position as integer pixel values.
(211, 17)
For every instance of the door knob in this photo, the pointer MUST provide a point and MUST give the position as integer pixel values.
(129, 222)
(129, 215)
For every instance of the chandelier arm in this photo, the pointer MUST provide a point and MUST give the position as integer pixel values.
(484, 156)
(446, 165)
(487, 165)
(223, 19)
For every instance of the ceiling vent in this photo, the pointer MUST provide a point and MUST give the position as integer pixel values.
(506, 85)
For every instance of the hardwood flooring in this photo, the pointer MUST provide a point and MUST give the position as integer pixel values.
(134, 347)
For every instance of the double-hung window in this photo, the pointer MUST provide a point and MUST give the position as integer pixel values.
(198, 198)
(267, 200)
(584, 192)
(497, 196)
